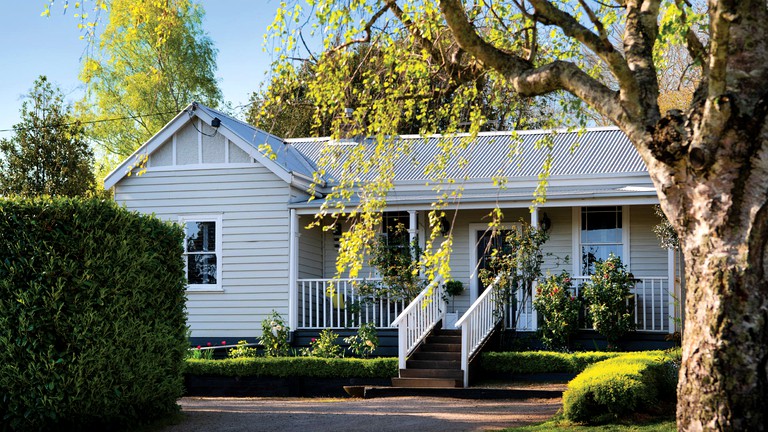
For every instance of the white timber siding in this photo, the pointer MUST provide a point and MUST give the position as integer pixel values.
(253, 204)
(331, 252)
(310, 250)
(647, 258)
(558, 249)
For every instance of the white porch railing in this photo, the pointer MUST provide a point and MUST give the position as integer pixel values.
(418, 319)
(653, 303)
(478, 323)
(519, 313)
(337, 303)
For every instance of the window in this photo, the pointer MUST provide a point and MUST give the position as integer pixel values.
(601, 235)
(202, 252)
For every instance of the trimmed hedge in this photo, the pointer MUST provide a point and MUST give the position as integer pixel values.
(532, 362)
(283, 367)
(640, 382)
(92, 315)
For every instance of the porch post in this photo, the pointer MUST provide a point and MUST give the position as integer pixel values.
(413, 228)
(293, 270)
(535, 315)
(671, 289)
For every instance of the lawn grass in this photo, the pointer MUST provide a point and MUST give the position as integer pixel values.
(559, 423)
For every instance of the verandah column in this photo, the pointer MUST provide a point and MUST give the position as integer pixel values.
(293, 270)
(534, 317)
(413, 227)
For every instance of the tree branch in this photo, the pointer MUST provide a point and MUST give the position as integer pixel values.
(596, 21)
(451, 63)
(527, 80)
(718, 105)
(640, 35)
(547, 13)
(366, 29)
(696, 49)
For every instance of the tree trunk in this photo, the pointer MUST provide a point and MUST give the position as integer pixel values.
(721, 212)
(723, 375)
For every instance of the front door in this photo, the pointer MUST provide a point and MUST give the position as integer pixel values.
(483, 242)
(488, 243)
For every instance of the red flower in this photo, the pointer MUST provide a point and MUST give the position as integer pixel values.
(209, 344)
(314, 340)
(198, 347)
(223, 342)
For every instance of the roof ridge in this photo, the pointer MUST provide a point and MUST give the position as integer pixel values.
(465, 134)
(235, 119)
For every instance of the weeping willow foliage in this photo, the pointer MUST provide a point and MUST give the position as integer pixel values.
(380, 74)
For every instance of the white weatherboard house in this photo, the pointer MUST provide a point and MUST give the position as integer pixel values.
(248, 251)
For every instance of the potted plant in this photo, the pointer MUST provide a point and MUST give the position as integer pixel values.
(451, 289)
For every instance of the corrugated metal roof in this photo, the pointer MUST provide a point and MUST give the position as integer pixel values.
(603, 151)
(285, 155)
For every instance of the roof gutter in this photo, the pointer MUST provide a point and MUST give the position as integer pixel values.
(304, 184)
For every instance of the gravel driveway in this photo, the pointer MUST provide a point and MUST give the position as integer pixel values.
(423, 414)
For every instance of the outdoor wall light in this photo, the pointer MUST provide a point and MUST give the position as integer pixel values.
(445, 225)
(546, 222)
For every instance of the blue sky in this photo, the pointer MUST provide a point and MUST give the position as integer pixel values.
(33, 46)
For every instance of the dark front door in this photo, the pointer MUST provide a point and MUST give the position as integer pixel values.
(487, 243)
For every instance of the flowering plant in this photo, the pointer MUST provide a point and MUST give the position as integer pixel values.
(365, 342)
(608, 295)
(325, 346)
(559, 308)
(199, 353)
(274, 336)
(242, 350)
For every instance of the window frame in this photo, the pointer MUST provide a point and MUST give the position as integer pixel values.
(217, 220)
(577, 244)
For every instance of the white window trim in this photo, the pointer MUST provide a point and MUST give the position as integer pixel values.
(473, 228)
(216, 218)
(576, 238)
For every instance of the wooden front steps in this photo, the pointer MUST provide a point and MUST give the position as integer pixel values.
(435, 364)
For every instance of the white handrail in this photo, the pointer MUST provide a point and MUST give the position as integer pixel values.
(478, 322)
(418, 319)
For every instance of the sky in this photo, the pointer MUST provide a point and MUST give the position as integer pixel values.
(33, 45)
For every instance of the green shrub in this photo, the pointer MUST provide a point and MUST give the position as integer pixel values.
(559, 309)
(607, 294)
(324, 346)
(365, 342)
(92, 319)
(242, 350)
(620, 386)
(282, 367)
(530, 362)
(274, 336)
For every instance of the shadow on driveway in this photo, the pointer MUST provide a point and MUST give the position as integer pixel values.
(421, 414)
